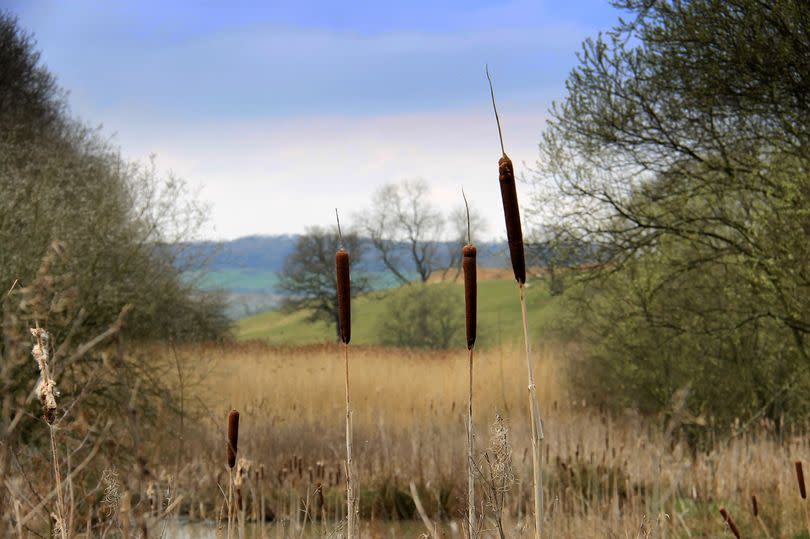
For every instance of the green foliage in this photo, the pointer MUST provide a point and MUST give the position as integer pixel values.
(680, 159)
(498, 317)
(423, 316)
(116, 222)
(87, 253)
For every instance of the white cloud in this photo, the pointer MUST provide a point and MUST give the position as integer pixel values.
(274, 176)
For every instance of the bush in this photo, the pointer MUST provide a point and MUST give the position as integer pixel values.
(423, 315)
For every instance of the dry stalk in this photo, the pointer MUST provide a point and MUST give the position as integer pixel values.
(46, 389)
(755, 510)
(431, 527)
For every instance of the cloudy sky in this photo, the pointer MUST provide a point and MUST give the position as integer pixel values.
(277, 112)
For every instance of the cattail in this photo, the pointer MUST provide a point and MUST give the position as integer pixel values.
(800, 478)
(345, 331)
(514, 235)
(754, 505)
(730, 522)
(470, 292)
(344, 295)
(511, 210)
(511, 213)
(233, 437)
(470, 302)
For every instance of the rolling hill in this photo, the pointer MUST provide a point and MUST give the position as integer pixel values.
(499, 318)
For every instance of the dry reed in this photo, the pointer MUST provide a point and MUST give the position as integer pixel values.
(603, 474)
(47, 392)
(760, 522)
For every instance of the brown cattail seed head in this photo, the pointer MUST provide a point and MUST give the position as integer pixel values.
(800, 478)
(470, 292)
(730, 522)
(754, 505)
(344, 295)
(511, 213)
(233, 437)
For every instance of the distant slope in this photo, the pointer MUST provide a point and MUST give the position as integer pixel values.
(247, 268)
(499, 318)
(268, 253)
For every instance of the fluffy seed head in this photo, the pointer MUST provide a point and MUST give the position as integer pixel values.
(511, 213)
(233, 437)
(46, 388)
(343, 295)
(470, 292)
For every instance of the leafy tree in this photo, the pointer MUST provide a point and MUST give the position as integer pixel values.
(681, 156)
(87, 251)
(308, 280)
(117, 222)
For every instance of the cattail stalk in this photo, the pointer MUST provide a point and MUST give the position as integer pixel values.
(233, 443)
(514, 236)
(730, 521)
(471, 313)
(803, 493)
(344, 330)
(755, 510)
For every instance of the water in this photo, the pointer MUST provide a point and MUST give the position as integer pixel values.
(182, 529)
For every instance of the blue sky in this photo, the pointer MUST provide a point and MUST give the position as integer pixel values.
(276, 112)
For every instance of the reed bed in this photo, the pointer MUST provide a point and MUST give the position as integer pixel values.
(606, 476)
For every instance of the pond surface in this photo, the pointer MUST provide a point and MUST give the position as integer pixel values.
(181, 529)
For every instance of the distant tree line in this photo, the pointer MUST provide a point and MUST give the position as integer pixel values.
(413, 241)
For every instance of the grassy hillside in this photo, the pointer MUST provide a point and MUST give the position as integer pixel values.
(498, 317)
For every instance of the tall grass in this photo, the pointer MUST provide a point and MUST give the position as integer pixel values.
(605, 474)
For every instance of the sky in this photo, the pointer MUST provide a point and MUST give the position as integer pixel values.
(275, 113)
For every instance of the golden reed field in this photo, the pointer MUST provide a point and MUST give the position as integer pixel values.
(603, 476)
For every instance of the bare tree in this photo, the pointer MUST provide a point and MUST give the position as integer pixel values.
(404, 227)
(308, 278)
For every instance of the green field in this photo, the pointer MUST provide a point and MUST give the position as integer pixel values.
(498, 317)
